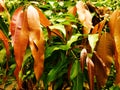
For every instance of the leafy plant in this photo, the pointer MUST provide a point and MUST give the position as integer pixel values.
(59, 45)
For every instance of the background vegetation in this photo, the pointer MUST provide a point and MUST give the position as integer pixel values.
(69, 52)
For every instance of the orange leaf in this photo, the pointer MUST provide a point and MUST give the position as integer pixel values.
(105, 49)
(100, 70)
(36, 40)
(84, 16)
(20, 41)
(5, 41)
(14, 20)
(43, 20)
(90, 66)
(72, 10)
(114, 25)
(99, 27)
(69, 31)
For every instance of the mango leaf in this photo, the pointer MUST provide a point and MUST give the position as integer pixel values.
(90, 66)
(6, 44)
(51, 49)
(84, 16)
(43, 20)
(105, 49)
(14, 20)
(100, 70)
(114, 25)
(99, 27)
(76, 76)
(60, 67)
(93, 38)
(36, 40)
(83, 56)
(74, 70)
(19, 32)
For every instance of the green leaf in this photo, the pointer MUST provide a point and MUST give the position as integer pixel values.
(93, 38)
(76, 76)
(2, 55)
(73, 39)
(58, 70)
(78, 82)
(75, 69)
(51, 49)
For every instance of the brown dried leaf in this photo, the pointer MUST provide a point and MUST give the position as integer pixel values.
(114, 25)
(105, 50)
(19, 33)
(14, 20)
(99, 27)
(90, 66)
(43, 20)
(100, 70)
(36, 40)
(84, 16)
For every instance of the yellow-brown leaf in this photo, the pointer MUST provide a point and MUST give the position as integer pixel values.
(43, 20)
(84, 16)
(99, 27)
(105, 49)
(36, 40)
(100, 70)
(114, 25)
(20, 41)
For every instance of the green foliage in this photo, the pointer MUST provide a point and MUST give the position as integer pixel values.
(59, 53)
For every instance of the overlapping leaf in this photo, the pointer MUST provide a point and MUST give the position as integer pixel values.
(100, 70)
(105, 50)
(36, 40)
(25, 27)
(114, 25)
(20, 39)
